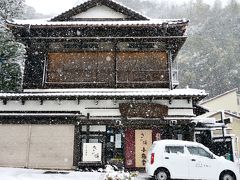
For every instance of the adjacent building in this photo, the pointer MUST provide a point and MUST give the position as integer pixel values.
(228, 101)
(224, 108)
(100, 85)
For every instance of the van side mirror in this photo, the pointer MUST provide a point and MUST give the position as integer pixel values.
(179, 153)
(212, 156)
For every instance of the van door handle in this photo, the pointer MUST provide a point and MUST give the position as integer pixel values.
(166, 157)
(193, 159)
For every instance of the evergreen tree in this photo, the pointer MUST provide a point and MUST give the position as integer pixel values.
(11, 52)
(11, 9)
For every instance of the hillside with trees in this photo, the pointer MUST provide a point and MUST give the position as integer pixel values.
(210, 57)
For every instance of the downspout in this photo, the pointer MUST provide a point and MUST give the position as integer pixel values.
(223, 128)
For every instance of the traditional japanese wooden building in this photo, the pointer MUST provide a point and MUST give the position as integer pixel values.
(100, 85)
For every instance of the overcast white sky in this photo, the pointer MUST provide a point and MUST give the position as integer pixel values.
(51, 6)
(58, 6)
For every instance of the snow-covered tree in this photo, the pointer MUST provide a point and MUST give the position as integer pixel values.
(11, 61)
(11, 9)
(11, 52)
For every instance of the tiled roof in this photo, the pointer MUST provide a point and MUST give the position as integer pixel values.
(108, 93)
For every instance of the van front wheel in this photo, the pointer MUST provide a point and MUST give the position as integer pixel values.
(227, 176)
(162, 175)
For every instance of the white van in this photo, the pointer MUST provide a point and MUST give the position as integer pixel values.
(175, 159)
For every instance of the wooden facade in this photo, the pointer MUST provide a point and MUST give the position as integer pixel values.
(108, 69)
(108, 79)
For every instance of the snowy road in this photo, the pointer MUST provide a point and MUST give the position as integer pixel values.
(29, 174)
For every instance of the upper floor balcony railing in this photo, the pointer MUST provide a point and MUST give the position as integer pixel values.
(143, 76)
(118, 78)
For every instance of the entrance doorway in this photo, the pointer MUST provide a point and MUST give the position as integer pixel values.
(100, 145)
(115, 146)
(92, 145)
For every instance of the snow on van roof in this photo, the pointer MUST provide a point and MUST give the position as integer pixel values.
(175, 142)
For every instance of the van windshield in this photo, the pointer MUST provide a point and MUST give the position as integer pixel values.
(198, 151)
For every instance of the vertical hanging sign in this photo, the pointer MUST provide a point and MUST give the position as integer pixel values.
(143, 141)
(118, 141)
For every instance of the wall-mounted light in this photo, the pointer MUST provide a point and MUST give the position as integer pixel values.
(23, 102)
(114, 101)
(4, 101)
(78, 101)
(170, 101)
(41, 101)
(59, 101)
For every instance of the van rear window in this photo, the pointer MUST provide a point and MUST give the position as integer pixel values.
(174, 149)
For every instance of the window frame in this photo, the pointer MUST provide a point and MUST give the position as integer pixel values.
(158, 78)
(174, 146)
(95, 78)
(200, 154)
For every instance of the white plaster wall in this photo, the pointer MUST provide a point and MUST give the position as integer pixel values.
(180, 112)
(65, 105)
(93, 107)
(100, 12)
(181, 103)
(175, 106)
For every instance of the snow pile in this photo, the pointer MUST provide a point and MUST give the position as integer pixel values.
(112, 174)
(32, 174)
(109, 173)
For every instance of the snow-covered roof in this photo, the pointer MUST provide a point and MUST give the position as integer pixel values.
(176, 142)
(220, 95)
(46, 22)
(108, 93)
(39, 114)
(204, 120)
(214, 113)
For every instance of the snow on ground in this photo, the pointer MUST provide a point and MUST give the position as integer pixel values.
(31, 174)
